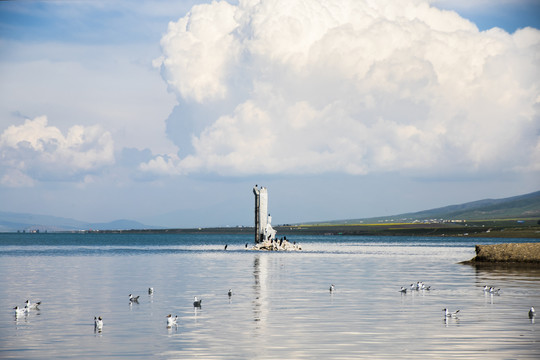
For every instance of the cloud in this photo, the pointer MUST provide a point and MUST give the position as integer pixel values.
(352, 86)
(198, 50)
(36, 151)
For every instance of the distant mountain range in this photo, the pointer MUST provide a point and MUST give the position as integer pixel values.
(13, 222)
(517, 207)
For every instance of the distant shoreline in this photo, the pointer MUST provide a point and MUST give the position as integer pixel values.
(472, 230)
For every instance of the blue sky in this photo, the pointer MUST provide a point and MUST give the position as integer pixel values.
(169, 112)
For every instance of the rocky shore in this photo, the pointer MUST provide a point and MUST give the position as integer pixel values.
(522, 253)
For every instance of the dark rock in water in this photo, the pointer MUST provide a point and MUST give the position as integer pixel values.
(507, 253)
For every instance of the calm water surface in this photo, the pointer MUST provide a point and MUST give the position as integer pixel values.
(281, 307)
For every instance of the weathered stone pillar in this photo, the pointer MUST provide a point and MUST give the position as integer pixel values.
(261, 212)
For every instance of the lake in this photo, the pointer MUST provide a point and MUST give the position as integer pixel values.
(281, 307)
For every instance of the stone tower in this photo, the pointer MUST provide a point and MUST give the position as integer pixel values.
(263, 227)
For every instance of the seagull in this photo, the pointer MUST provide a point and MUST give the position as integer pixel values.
(171, 321)
(229, 292)
(19, 312)
(31, 306)
(197, 302)
(150, 290)
(414, 287)
(403, 290)
(425, 287)
(532, 313)
(492, 290)
(449, 314)
(98, 323)
(332, 288)
(133, 299)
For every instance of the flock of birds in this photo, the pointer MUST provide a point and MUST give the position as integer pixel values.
(419, 286)
(26, 309)
(98, 320)
(171, 321)
(197, 303)
(416, 287)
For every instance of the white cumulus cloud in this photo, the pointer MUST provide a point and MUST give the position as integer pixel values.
(37, 151)
(352, 86)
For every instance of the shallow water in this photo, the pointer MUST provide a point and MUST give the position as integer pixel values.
(281, 306)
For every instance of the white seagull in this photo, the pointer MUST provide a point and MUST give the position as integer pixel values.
(171, 321)
(492, 290)
(449, 314)
(197, 302)
(33, 306)
(19, 312)
(403, 290)
(532, 312)
(98, 323)
(150, 290)
(133, 299)
(332, 288)
(229, 292)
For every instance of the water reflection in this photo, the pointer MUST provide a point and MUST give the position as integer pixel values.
(259, 276)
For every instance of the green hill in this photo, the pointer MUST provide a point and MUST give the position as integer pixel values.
(517, 207)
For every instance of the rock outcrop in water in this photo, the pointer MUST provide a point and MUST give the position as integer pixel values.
(276, 245)
(507, 253)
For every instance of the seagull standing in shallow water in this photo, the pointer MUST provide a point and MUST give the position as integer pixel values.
(150, 290)
(229, 292)
(197, 302)
(403, 290)
(532, 313)
(332, 288)
(133, 299)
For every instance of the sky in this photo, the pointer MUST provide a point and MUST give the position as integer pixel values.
(169, 112)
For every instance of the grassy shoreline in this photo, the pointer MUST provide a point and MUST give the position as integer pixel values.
(473, 229)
